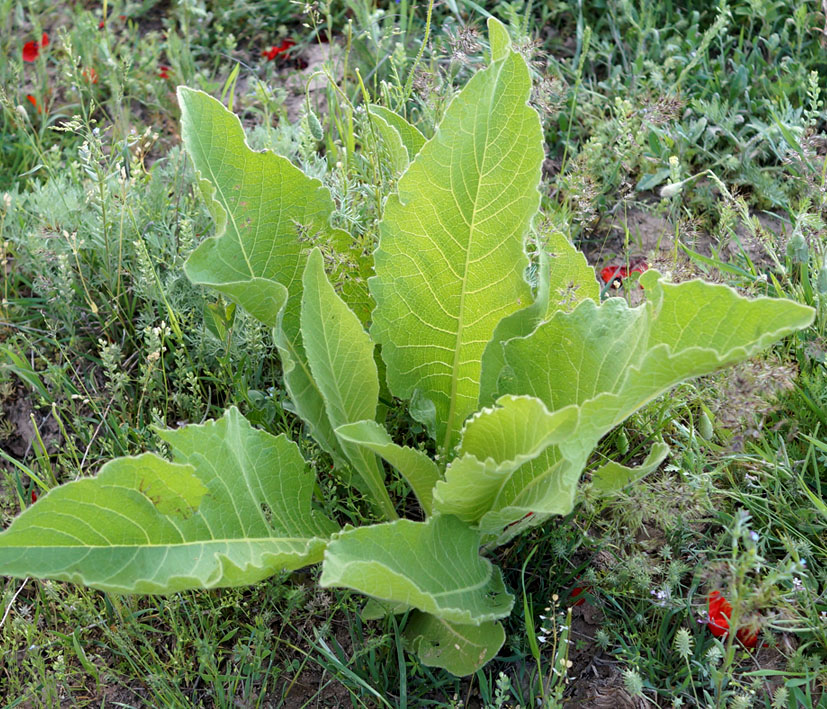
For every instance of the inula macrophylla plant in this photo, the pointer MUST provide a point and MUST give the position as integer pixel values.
(515, 383)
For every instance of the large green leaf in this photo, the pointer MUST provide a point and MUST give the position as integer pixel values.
(460, 649)
(340, 355)
(612, 359)
(609, 360)
(450, 263)
(232, 509)
(434, 566)
(261, 204)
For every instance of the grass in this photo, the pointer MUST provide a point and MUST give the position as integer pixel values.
(708, 121)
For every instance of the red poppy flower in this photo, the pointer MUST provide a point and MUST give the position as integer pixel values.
(616, 274)
(90, 75)
(101, 24)
(163, 71)
(576, 592)
(32, 100)
(31, 50)
(720, 612)
(275, 50)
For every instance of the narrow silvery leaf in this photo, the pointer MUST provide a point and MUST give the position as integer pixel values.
(234, 508)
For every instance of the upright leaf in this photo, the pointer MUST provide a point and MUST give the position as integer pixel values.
(392, 142)
(498, 38)
(232, 509)
(340, 355)
(450, 261)
(434, 566)
(261, 204)
(571, 278)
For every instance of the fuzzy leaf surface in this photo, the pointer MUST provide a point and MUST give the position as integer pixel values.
(233, 508)
(434, 566)
(340, 355)
(450, 263)
(460, 649)
(610, 360)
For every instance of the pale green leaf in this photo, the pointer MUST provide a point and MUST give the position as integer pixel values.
(434, 566)
(340, 355)
(255, 253)
(234, 507)
(460, 649)
(339, 351)
(450, 261)
(499, 39)
(540, 487)
(613, 476)
(411, 137)
(261, 204)
(307, 401)
(612, 359)
(564, 278)
(414, 465)
(495, 443)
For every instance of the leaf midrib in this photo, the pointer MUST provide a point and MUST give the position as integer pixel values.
(460, 326)
(206, 542)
